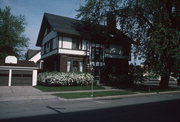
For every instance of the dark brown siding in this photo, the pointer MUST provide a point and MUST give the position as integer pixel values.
(117, 66)
(51, 63)
(63, 63)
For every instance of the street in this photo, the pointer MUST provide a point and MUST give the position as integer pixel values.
(148, 108)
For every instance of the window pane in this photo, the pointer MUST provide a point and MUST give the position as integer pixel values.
(81, 66)
(76, 44)
(68, 66)
(75, 66)
(51, 45)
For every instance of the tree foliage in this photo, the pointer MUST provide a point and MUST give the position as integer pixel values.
(154, 24)
(12, 40)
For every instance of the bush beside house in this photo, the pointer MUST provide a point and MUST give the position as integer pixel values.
(65, 79)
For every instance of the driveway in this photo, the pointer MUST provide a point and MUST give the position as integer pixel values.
(14, 93)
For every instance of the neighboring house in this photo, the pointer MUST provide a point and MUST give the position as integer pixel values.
(35, 56)
(14, 72)
(68, 45)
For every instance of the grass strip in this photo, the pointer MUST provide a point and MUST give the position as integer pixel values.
(164, 90)
(96, 94)
(66, 88)
(153, 89)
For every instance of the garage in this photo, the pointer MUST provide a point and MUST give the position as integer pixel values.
(21, 78)
(4, 77)
(17, 73)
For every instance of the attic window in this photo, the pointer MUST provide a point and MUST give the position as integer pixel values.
(48, 29)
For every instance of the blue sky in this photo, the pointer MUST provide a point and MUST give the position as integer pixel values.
(33, 11)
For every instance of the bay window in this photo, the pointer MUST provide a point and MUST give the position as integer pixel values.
(74, 66)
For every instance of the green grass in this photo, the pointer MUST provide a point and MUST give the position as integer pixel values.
(96, 94)
(66, 88)
(150, 89)
(164, 90)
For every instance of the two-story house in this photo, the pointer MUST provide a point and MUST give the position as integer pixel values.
(68, 45)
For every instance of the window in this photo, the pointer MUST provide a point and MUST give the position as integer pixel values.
(68, 66)
(48, 29)
(48, 46)
(44, 48)
(114, 49)
(51, 45)
(81, 66)
(76, 44)
(97, 53)
(74, 66)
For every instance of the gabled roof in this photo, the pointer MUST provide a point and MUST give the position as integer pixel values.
(67, 26)
(59, 24)
(31, 53)
(63, 24)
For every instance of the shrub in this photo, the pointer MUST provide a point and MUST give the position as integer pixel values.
(137, 73)
(65, 79)
(120, 80)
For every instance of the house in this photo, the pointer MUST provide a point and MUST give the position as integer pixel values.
(70, 45)
(15, 72)
(35, 56)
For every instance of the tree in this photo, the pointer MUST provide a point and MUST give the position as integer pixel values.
(161, 36)
(12, 40)
(151, 23)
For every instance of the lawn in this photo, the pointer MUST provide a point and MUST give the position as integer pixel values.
(96, 94)
(66, 88)
(151, 89)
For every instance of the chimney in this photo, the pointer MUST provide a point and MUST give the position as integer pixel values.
(111, 22)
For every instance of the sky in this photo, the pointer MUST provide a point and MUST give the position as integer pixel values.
(33, 11)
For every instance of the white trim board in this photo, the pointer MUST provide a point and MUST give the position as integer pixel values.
(73, 52)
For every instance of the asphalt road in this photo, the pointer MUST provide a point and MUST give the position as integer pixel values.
(167, 111)
(153, 108)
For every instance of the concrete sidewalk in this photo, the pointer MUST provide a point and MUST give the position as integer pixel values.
(136, 94)
(14, 93)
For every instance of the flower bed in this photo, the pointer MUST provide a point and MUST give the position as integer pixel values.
(64, 79)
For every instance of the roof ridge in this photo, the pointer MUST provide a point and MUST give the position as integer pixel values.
(62, 16)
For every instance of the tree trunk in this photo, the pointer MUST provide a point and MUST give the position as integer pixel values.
(164, 83)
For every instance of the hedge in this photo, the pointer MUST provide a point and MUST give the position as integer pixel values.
(65, 79)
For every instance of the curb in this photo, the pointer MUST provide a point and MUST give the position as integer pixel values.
(117, 96)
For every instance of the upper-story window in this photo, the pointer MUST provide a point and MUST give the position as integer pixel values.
(51, 44)
(76, 44)
(48, 46)
(97, 53)
(48, 29)
(114, 49)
